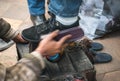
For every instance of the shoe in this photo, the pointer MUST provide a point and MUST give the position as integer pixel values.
(96, 46)
(113, 25)
(100, 57)
(7, 33)
(4, 27)
(36, 20)
(34, 33)
(5, 45)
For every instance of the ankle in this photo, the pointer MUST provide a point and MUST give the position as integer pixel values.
(37, 19)
(18, 39)
(67, 21)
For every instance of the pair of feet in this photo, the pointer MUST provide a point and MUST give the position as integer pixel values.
(99, 57)
(43, 26)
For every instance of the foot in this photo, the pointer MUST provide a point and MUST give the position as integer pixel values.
(36, 20)
(7, 33)
(96, 46)
(34, 33)
(100, 57)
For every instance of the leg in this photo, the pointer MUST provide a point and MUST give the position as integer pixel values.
(37, 11)
(65, 8)
(7, 34)
(53, 23)
(56, 8)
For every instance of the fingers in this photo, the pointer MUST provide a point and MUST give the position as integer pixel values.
(63, 39)
(53, 34)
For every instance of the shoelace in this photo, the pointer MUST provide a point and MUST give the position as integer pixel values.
(43, 28)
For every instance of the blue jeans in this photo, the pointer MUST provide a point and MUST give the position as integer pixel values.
(36, 7)
(63, 8)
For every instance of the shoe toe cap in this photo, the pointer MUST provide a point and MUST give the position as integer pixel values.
(102, 58)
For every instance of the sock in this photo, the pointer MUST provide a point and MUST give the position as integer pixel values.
(66, 21)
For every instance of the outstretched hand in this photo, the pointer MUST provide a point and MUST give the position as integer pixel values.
(48, 46)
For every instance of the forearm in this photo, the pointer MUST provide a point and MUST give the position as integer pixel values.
(27, 69)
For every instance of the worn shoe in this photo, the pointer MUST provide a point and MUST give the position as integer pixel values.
(4, 27)
(7, 33)
(33, 34)
(36, 20)
(5, 45)
(96, 46)
(100, 57)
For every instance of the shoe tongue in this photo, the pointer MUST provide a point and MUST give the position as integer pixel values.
(44, 28)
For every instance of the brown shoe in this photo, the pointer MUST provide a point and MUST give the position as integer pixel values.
(7, 33)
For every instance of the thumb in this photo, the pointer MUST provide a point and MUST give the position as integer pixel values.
(53, 34)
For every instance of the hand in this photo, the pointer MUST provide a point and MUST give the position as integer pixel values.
(48, 46)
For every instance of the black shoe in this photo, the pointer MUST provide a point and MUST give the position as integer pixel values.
(33, 34)
(36, 20)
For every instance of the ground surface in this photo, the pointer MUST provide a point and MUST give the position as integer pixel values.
(17, 14)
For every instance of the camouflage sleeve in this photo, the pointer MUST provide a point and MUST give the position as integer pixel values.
(27, 69)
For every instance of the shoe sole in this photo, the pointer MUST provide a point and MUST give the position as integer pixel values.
(5, 45)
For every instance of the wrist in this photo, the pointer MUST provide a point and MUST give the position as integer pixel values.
(40, 51)
(38, 56)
